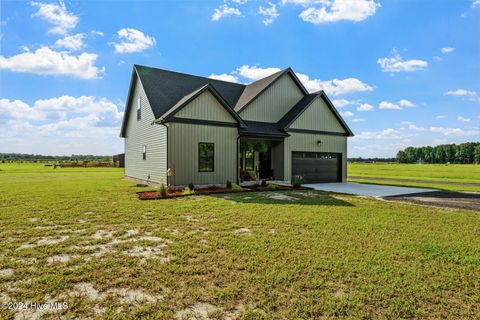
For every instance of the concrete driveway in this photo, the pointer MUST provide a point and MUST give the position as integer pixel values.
(362, 189)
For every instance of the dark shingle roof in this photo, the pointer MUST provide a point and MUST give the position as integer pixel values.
(262, 128)
(165, 88)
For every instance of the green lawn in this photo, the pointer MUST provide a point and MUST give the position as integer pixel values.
(80, 236)
(457, 175)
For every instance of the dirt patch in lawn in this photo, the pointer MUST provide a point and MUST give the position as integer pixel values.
(6, 272)
(242, 231)
(207, 311)
(279, 196)
(44, 241)
(446, 199)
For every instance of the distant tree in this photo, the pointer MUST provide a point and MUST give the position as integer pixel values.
(477, 153)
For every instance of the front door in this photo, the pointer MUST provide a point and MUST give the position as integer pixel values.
(265, 164)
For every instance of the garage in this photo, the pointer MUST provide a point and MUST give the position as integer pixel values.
(317, 167)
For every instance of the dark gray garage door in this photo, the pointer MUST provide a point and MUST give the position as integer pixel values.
(317, 166)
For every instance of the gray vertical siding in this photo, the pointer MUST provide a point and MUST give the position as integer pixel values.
(308, 142)
(318, 117)
(205, 107)
(140, 133)
(275, 102)
(183, 142)
(277, 160)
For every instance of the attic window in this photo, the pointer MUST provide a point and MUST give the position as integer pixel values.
(144, 152)
(139, 108)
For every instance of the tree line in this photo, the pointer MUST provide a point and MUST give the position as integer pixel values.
(13, 157)
(454, 153)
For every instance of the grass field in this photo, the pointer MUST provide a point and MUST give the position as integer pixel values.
(80, 236)
(454, 177)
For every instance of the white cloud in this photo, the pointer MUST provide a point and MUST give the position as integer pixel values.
(224, 77)
(45, 61)
(365, 107)
(74, 42)
(447, 50)
(460, 118)
(337, 10)
(440, 116)
(455, 131)
(437, 58)
(415, 128)
(239, 1)
(461, 92)
(61, 125)
(346, 114)
(97, 33)
(133, 40)
(470, 95)
(388, 133)
(334, 87)
(17, 109)
(406, 103)
(475, 3)
(255, 73)
(82, 104)
(358, 120)
(385, 105)
(223, 11)
(395, 63)
(57, 15)
(270, 14)
(340, 103)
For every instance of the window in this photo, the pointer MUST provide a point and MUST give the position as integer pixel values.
(144, 152)
(248, 160)
(139, 108)
(206, 154)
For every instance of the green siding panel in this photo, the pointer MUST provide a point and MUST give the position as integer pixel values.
(183, 142)
(275, 102)
(205, 107)
(308, 142)
(318, 117)
(140, 133)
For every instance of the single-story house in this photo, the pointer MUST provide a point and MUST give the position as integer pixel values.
(180, 129)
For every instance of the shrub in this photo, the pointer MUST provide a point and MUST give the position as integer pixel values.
(212, 187)
(297, 181)
(229, 184)
(191, 186)
(236, 187)
(187, 191)
(163, 190)
(272, 187)
(264, 183)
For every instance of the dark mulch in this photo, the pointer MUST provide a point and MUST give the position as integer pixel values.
(152, 195)
(448, 199)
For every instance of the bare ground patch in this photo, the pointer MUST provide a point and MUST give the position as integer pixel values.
(447, 199)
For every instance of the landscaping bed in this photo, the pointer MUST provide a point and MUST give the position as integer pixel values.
(154, 194)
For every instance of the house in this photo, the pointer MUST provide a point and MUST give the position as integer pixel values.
(206, 131)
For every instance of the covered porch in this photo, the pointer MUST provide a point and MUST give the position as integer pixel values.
(261, 153)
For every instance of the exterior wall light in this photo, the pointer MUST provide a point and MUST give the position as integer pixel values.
(319, 142)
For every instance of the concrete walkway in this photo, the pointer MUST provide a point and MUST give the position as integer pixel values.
(362, 189)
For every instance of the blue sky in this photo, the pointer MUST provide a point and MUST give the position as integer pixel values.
(402, 73)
